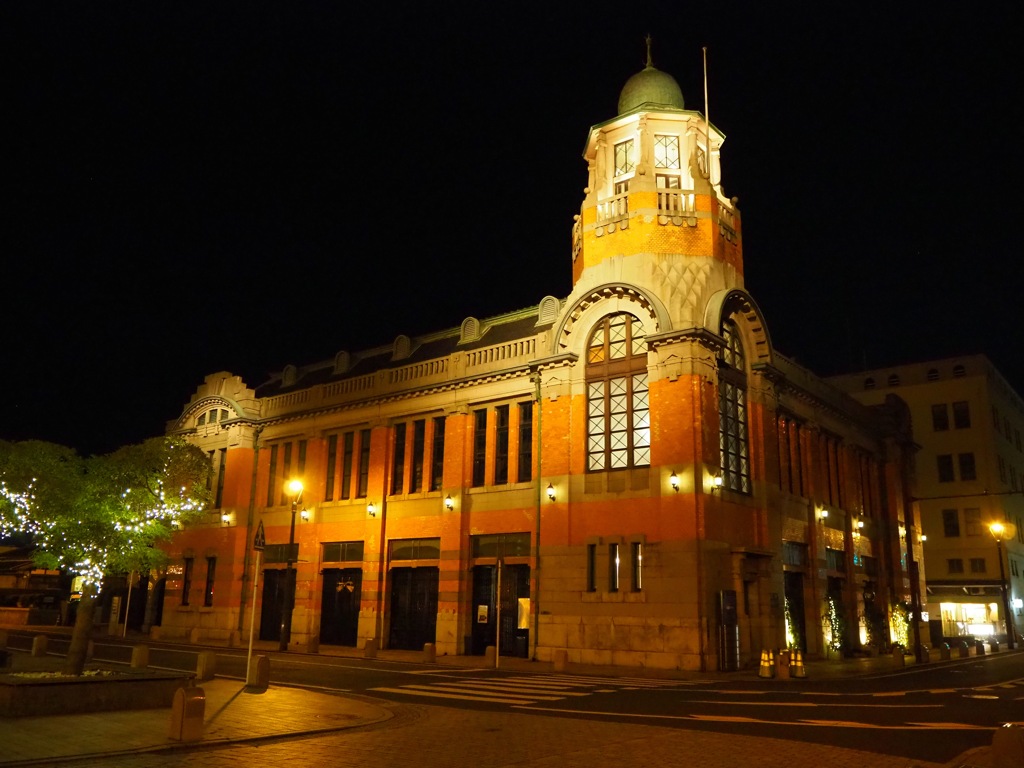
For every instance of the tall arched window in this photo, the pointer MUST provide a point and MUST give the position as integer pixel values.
(732, 412)
(618, 411)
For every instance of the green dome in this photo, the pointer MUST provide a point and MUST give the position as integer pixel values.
(651, 89)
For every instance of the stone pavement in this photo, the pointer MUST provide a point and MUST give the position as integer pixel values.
(285, 723)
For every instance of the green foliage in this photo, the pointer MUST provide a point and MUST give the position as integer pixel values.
(837, 625)
(794, 635)
(103, 514)
(900, 624)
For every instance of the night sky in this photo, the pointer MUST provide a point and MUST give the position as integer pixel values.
(193, 187)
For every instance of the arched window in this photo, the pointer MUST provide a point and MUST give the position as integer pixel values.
(734, 445)
(618, 411)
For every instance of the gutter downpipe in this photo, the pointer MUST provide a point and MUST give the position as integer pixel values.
(247, 556)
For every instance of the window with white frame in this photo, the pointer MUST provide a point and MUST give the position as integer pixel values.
(624, 160)
(732, 412)
(666, 151)
(618, 410)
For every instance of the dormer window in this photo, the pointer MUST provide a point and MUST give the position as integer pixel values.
(624, 158)
(666, 151)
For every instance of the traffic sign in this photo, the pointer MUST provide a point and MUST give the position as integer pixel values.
(260, 540)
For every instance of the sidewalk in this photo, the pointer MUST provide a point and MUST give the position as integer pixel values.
(232, 715)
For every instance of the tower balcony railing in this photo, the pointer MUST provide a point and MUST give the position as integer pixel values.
(614, 208)
(676, 202)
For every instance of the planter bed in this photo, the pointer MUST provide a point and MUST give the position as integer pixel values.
(23, 696)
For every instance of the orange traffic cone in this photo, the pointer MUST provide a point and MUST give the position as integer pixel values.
(796, 667)
(767, 664)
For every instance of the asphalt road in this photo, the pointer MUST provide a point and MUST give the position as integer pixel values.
(930, 713)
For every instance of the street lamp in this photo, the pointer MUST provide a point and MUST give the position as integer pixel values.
(998, 529)
(288, 596)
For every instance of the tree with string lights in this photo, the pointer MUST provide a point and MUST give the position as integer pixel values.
(101, 515)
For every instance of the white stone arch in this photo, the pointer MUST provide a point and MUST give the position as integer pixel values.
(608, 299)
(195, 410)
(739, 305)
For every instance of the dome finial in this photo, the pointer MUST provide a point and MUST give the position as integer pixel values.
(650, 63)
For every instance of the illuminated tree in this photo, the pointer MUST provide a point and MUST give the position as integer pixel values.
(101, 515)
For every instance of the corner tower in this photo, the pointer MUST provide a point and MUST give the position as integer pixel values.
(655, 212)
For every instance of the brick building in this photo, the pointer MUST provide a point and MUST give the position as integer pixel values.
(630, 474)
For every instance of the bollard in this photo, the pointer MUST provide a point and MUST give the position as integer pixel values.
(140, 656)
(206, 665)
(944, 652)
(979, 648)
(429, 654)
(370, 649)
(560, 660)
(964, 650)
(489, 657)
(258, 679)
(1008, 746)
(898, 656)
(994, 646)
(782, 664)
(39, 643)
(187, 714)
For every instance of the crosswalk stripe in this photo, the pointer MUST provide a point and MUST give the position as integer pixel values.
(517, 688)
(580, 680)
(516, 696)
(439, 695)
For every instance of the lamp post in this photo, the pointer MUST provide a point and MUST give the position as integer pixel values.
(997, 529)
(288, 594)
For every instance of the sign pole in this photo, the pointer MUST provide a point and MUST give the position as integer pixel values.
(258, 543)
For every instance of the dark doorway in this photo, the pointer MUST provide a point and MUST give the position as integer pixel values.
(413, 608)
(794, 592)
(515, 584)
(339, 611)
(158, 598)
(274, 582)
(136, 599)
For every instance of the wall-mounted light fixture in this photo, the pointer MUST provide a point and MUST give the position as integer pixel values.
(673, 480)
(551, 492)
(716, 482)
(305, 515)
(924, 537)
(822, 514)
(860, 523)
(226, 518)
(371, 510)
(448, 503)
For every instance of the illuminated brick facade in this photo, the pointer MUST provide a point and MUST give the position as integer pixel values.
(572, 453)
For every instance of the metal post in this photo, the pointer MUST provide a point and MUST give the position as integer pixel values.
(1007, 616)
(497, 633)
(128, 601)
(289, 587)
(252, 620)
